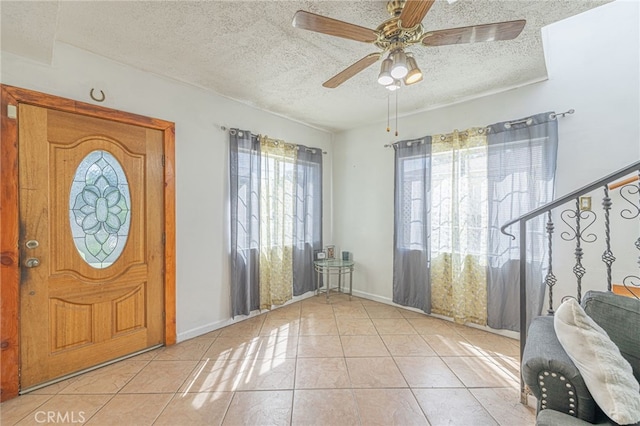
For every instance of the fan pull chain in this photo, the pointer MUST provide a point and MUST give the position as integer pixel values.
(388, 111)
(397, 112)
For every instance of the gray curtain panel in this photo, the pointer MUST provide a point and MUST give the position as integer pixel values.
(307, 217)
(411, 251)
(521, 172)
(244, 169)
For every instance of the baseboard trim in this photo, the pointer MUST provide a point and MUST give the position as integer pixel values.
(207, 328)
(506, 333)
(374, 297)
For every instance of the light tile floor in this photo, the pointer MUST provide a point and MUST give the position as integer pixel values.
(344, 362)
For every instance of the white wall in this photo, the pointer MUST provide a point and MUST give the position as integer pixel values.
(203, 301)
(593, 68)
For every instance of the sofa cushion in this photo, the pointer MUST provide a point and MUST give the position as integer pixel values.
(606, 373)
(619, 316)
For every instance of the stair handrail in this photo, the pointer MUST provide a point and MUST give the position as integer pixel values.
(572, 195)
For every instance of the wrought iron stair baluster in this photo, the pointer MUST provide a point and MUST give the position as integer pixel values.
(607, 257)
(631, 189)
(550, 279)
(578, 269)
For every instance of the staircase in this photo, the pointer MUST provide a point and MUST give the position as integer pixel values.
(580, 227)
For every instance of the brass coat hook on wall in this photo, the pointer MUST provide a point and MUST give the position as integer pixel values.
(97, 99)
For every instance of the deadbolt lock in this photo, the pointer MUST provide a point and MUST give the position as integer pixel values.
(32, 262)
(31, 244)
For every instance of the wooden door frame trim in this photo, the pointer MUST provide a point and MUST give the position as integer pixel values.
(10, 221)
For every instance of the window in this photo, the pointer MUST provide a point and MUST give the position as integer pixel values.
(413, 203)
(452, 195)
(99, 209)
(276, 196)
(276, 220)
(459, 201)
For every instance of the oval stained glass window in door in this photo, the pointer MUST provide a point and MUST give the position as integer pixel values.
(99, 209)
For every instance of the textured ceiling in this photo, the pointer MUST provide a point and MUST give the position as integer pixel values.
(249, 51)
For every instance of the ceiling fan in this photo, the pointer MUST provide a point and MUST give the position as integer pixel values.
(394, 35)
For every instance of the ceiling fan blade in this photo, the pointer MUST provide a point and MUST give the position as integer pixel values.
(322, 24)
(349, 72)
(414, 12)
(475, 34)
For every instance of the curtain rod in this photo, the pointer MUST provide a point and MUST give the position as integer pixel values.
(224, 129)
(552, 116)
(408, 143)
(562, 114)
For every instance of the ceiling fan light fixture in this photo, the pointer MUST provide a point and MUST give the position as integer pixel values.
(414, 74)
(394, 35)
(384, 77)
(395, 85)
(399, 68)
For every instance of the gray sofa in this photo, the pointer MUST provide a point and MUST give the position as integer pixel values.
(563, 398)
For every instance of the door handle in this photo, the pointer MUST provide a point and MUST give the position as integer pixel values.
(32, 262)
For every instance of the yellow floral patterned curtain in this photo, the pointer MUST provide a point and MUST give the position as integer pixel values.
(276, 218)
(459, 216)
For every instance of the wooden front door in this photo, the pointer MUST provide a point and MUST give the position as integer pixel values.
(91, 241)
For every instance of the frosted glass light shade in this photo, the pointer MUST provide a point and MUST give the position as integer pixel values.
(384, 77)
(399, 68)
(394, 86)
(414, 75)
